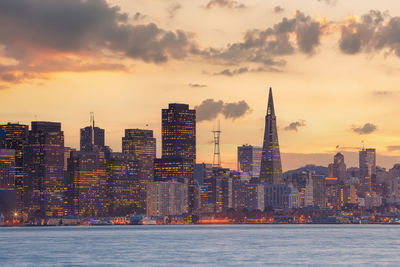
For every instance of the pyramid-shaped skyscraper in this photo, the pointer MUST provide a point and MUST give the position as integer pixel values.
(271, 167)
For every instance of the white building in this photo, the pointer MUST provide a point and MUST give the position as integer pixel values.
(167, 198)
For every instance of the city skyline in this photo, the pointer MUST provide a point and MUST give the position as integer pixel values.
(330, 65)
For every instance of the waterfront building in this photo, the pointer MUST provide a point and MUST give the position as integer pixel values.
(87, 183)
(124, 187)
(44, 184)
(7, 183)
(14, 136)
(167, 198)
(249, 160)
(367, 164)
(142, 145)
(281, 196)
(319, 190)
(271, 167)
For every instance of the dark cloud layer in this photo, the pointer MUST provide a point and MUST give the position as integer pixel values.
(368, 128)
(294, 126)
(32, 31)
(209, 109)
(231, 4)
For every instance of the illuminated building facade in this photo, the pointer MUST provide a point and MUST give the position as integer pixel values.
(178, 146)
(123, 185)
(271, 167)
(248, 196)
(7, 183)
(167, 168)
(179, 132)
(249, 160)
(167, 197)
(87, 182)
(142, 146)
(7, 169)
(14, 136)
(44, 183)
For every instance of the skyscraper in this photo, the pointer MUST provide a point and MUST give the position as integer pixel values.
(271, 167)
(87, 180)
(179, 143)
(367, 162)
(123, 185)
(142, 146)
(179, 131)
(249, 160)
(92, 137)
(338, 168)
(7, 183)
(44, 166)
(14, 136)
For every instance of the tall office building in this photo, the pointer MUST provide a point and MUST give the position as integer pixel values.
(124, 185)
(87, 181)
(271, 167)
(44, 175)
(367, 164)
(14, 136)
(249, 160)
(179, 143)
(92, 137)
(142, 146)
(338, 169)
(7, 183)
(319, 190)
(179, 131)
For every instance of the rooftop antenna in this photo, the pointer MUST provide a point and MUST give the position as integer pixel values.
(92, 125)
(217, 153)
(362, 142)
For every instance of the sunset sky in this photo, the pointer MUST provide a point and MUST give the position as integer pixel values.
(334, 67)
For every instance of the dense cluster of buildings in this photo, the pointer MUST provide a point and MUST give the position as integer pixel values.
(41, 178)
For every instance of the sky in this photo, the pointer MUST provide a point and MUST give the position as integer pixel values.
(333, 65)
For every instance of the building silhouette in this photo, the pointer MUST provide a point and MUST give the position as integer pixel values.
(367, 164)
(14, 136)
(271, 167)
(44, 183)
(92, 137)
(338, 168)
(7, 183)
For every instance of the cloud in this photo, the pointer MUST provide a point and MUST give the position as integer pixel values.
(264, 46)
(234, 72)
(393, 148)
(383, 93)
(231, 4)
(329, 2)
(278, 9)
(82, 32)
(138, 16)
(173, 9)
(368, 128)
(235, 110)
(209, 109)
(295, 125)
(197, 85)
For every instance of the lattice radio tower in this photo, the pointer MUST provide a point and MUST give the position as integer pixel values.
(217, 152)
